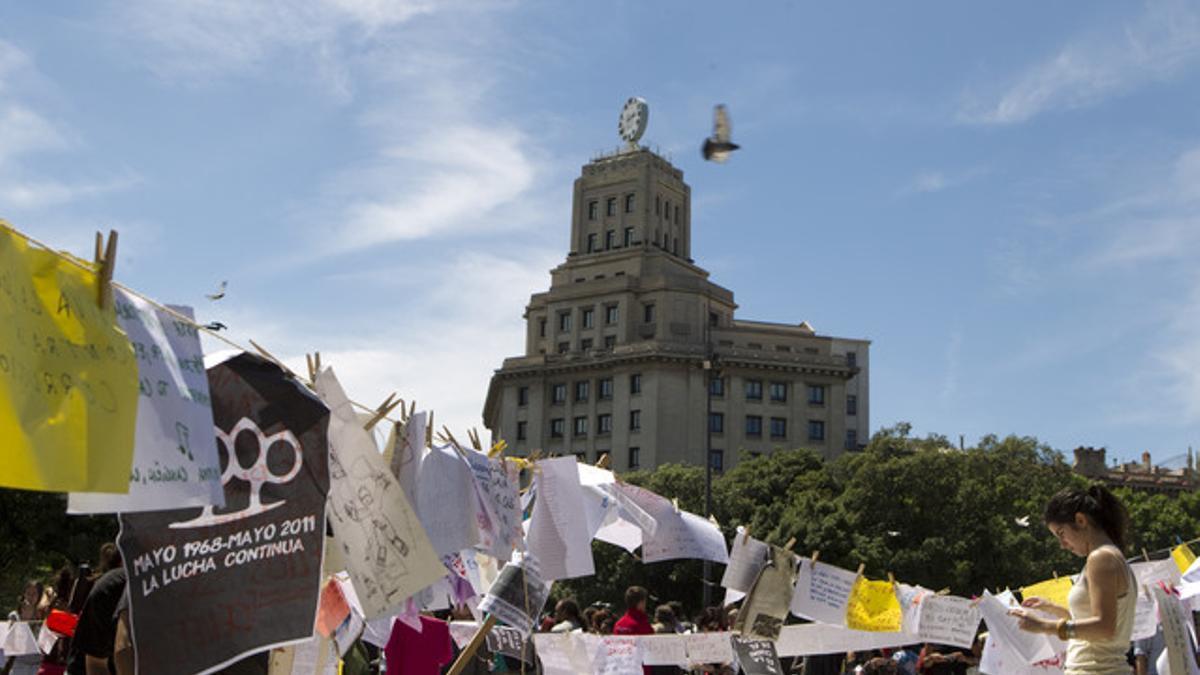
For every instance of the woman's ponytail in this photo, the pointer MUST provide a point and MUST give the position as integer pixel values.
(1098, 503)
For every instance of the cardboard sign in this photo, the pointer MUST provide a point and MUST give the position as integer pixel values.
(68, 380)
(210, 585)
(757, 657)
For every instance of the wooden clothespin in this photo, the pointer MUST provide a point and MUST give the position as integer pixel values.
(106, 260)
(382, 411)
(1145, 555)
(450, 437)
(1055, 573)
(861, 567)
(944, 591)
(815, 554)
(745, 533)
(604, 461)
(429, 431)
(312, 372)
(790, 543)
(891, 579)
(675, 503)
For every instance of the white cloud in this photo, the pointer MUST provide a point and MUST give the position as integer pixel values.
(1156, 46)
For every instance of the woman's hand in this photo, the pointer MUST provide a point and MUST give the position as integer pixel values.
(1046, 606)
(1027, 621)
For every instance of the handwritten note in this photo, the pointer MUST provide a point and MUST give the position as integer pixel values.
(746, 559)
(705, 648)
(496, 488)
(1031, 647)
(558, 532)
(873, 606)
(998, 658)
(766, 607)
(1176, 637)
(68, 380)
(664, 650)
(822, 592)
(386, 550)
(618, 655)
(948, 620)
(677, 534)
(566, 653)
(175, 460)
(757, 657)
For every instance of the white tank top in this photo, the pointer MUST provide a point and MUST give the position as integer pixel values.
(1101, 657)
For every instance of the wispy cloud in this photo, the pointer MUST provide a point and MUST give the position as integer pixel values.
(929, 181)
(1156, 46)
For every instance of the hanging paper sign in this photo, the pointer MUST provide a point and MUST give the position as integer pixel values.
(210, 585)
(517, 596)
(68, 380)
(948, 620)
(873, 606)
(757, 657)
(822, 592)
(175, 461)
(767, 605)
(1055, 590)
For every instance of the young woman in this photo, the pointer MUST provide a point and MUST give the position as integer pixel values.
(1098, 623)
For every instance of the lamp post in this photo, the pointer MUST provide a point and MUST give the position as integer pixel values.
(710, 371)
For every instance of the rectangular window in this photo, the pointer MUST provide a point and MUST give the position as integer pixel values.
(852, 359)
(635, 420)
(635, 383)
(585, 344)
(852, 439)
(588, 317)
(564, 347)
(611, 206)
(754, 390)
(593, 210)
(610, 239)
(713, 319)
(610, 341)
(851, 404)
(611, 313)
(523, 396)
(541, 327)
(581, 456)
(557, 427)
(816, 394)
(604, 424)
(628, 237)
(591, 245)
(754, 426)
(667, 208)
(580, 426)
(581, 390)
(816, 430)
(606, 389)
(564, 322)
(558, 393)
(635, 457)
(779, 392)
(657, 205)
(716, 422)
(716, 459)
(676, 214)
(716, 387)
(778, 427)
(521, 427)
(648, 312)
(629, 203)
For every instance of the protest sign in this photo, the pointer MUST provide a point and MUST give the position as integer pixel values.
(566, 653)
(677, 534)
(445, 500)
(708, 648)
(386, 551)
(618, 655)
(822, 592)
(175, 461)
(68, 379)
(948, 620)
(510, 642)
(873, 606)
(1178, 655)
(998, 658)
(766, 607)
(1055, 590)
(757, 657)
(664, 650)
(517, 596)
(496, 487)
(746, 559)
(819, 638)
(558, 532)
(243, 577)
(1150, 574)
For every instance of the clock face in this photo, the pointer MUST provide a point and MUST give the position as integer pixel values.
(633, 119)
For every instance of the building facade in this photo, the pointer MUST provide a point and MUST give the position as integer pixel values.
(633, 351)
(1144, 475)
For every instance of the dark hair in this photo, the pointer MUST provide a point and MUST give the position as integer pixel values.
(110, 557)
(1097, 503)
(569, 607)
(664, 614)
(634, 596)
(712, 619)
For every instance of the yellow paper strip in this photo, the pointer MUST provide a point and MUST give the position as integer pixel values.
(1054, 590)
(1183, 557)
(68, 377)
(873, 606)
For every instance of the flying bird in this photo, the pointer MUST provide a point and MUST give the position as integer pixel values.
(718, 147)
(1023, 521)
(216, 325)
(219, 294)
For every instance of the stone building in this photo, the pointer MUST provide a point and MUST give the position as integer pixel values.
(635, 352)
(1144, 475)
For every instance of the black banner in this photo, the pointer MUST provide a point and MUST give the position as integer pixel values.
(208, 586)
(757, 657)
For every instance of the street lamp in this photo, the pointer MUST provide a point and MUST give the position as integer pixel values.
(711, 370)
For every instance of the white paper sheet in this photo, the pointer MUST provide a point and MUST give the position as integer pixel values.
(1179, 652)
(386, 551)
(175, 461)
(677, 534)
(948, 620)
(822, 592)
(46, 638)
(446, 499)
(618, 655)
(818, 638)
(496, 487)
(747, 558)
(766, 605)
(709, 648)
(664, 650)
(19, 640)
(999, 659)
(558, 530)
(565, 653)
(1031, 647)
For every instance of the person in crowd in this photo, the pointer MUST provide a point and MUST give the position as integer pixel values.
(27, 603)
(822, 664)
(566, 613)
(589, 615)
(664, 620)
(1098, 622)
(942, 660)
(603, 621)
(906, 659)
(57, 597)
(635, 621)
(1146, 652)
(681, 625)
(92, 647)
(880, 665)
(711, 620)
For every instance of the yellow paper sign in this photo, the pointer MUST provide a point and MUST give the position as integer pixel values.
(1183, 557)
(873, 606)
(1054, 590)
(68, 378)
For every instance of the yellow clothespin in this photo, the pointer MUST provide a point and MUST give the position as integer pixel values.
(675, 503)
(105, 262)
(498, 448)
(1055, 573)
(312, 371)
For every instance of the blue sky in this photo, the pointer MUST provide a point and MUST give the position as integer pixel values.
(1001, 197)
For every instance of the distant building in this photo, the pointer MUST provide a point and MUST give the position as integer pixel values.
(633, 351)
(1091, 463)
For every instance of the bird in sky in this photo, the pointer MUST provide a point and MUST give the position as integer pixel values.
(1023, 521)
(219, 294)
(216, 325)
(718, 147)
